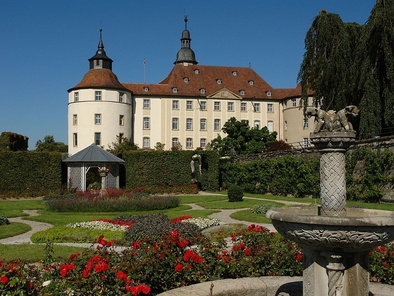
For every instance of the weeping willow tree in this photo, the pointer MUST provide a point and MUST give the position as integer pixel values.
(348, 63)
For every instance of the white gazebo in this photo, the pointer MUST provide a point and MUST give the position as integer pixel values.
(92, 157)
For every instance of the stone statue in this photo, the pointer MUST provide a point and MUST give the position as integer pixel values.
(332, 121)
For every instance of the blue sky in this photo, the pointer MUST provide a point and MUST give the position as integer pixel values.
(45, 46)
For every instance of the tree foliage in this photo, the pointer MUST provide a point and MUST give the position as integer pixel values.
(348, 63)
(122, 145)
(242, 139)
(49, 144)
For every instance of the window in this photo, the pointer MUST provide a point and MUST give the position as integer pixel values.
(203, 142)
(174, 142)
(121, 97)
(219, 81)
(146, 103)
(75, 139)
(202, 91)
(294, 102)
(121, 137)
(98, 95)
(75, 119)
(76, 96)
(235, 73)
(270, 126)
(196, 71)
(97, 118)
(175, 104)
(97, 138)
(174, 90)
(216, 125)
(146, 142)
(186, 80)
(286, 125)
(256, 107)
(146, 88)
(270, 108)
(250, 82)
(305, 123)
(203, 124)
(189, 105)
(256, 123)
(230, 106)
(175, 123)
(242, 92)
(146, 123)
(216, 106)
(189, 124)
(243, 107)
(203, 106)
(189, 143)
(306, 142)
(121, 119)
(269, 93)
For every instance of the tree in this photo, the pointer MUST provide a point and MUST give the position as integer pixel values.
(348, 63)
(122, 145)
(49, 144)
(241, 139)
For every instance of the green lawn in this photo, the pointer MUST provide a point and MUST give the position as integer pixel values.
(14, 208)
(13, 229)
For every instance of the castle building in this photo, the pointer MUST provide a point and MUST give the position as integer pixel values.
(188, 107)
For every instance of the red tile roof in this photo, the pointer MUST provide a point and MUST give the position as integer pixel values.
(99, 78)
(189, 80)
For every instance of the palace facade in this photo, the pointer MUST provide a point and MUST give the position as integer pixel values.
(188, 107)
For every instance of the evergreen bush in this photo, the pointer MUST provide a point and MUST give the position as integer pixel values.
(235, 193)
(3, 220)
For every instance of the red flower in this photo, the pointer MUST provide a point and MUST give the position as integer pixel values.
(299, 257)
(4, 280)
(74, 256)
(247, 252)
(31, 285)
(121, 275)
(235, 248)
(178, 267)
(85, 273)
(242, 245)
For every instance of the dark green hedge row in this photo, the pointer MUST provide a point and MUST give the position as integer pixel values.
(170, 168)
(30, 173)
(287, 175)
(368, 172)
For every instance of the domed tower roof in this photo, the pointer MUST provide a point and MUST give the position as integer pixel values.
(100, 59)
(186, 54)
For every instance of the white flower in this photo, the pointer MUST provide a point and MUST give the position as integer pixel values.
(46, 283)
(203, 223)
(99, 225)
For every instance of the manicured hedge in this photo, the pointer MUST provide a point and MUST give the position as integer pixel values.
(170, 168)
(30, 173)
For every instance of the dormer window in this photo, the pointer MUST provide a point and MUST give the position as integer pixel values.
(202, 90)
(268, 93)
(251, 82)
(196, 71)
(235, 73)
(242, 92)
(174, 90)
(219, 81)
(146, 88)
(186, 80)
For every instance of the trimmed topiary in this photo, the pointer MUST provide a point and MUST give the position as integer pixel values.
(3, 220)
(235, 193)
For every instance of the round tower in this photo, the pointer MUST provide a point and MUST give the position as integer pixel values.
(99, 107)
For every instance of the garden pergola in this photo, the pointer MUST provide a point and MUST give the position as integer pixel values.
(92, 157)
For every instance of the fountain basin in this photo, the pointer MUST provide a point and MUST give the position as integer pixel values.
(355, 230)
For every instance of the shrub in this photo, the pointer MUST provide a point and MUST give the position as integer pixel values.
(235, 193)
(3, 220)
(91, 201)
(152, 227)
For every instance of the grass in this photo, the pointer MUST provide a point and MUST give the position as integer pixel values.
(247, 215)
(33, 253)
(246, 203)
(13, 229)
(14, 208)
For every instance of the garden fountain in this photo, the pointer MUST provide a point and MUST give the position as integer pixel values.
(335, 239)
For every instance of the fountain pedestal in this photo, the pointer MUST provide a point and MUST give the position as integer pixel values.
(336, 240)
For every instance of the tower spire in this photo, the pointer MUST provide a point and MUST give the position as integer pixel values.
(185, 54)
(100, 60)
